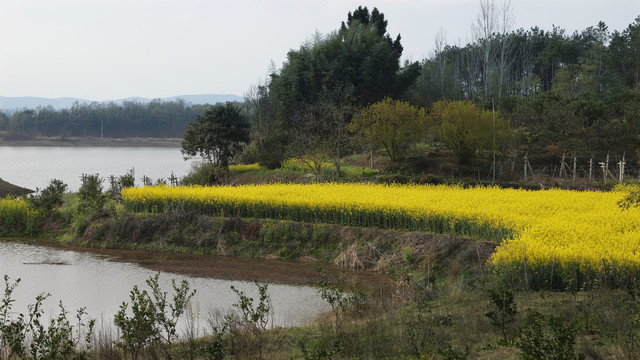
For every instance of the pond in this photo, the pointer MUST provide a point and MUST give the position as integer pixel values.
(34, 166)
(84, 279)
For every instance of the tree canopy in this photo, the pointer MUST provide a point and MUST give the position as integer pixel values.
(391, 124)
(217, 135)
(467, 129)
(361, 54)
(359, 61)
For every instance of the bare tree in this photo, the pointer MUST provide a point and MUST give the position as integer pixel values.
(505, 51)
(322, 133)
(484, 30)
(441, 60)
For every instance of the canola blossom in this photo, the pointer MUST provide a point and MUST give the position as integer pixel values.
(17, 217)
(245, 167)
(549, 232)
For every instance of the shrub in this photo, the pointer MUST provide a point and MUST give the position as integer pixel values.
(50, 197)
(504, 310)
(128, 179)
(90, 195)
(153, 320)
(536, 342)
(28, 337)
(204, 173)
(255, 318)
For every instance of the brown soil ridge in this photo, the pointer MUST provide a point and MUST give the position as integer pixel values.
(93, 142)
(278, 250)
(8, 189)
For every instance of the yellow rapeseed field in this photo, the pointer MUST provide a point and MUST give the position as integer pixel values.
(549, 231)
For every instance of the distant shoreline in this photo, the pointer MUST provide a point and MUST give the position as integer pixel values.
(94, 142)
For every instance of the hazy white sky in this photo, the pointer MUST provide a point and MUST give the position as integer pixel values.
(110, 49)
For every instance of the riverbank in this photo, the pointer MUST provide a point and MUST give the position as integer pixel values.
(395, 294)
(277, 250)
(93, 142)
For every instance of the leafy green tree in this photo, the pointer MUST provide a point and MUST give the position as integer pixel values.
(90, 195)
(466, 129)
(360, 56)
(217, 136)
(391, 124)
(51, 196)
(128, 179)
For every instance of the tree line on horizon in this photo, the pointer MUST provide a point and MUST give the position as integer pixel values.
(159, 119)
(575, 92)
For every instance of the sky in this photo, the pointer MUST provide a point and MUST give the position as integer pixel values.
(111, 49)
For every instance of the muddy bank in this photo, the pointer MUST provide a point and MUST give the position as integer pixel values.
(93, 142)
(276, 251)
(210, 266)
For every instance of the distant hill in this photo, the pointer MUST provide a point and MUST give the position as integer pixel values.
(11, 104)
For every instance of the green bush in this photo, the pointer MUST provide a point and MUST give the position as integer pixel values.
(203, 173)
(128, 179)
(50, 197)
(90, 196)
(556, 342)
(153, 320)
(28, 337)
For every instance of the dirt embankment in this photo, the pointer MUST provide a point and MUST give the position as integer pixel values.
(92, 142)
(8, 189)
(276, 251)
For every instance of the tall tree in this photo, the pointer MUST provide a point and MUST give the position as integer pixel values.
(361, 55)
(484, 30)
(216, 136)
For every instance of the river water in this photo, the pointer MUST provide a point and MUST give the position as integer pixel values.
(84, 279)
(34, 166)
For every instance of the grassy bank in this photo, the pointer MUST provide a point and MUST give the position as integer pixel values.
(433, 296)
(434, 306)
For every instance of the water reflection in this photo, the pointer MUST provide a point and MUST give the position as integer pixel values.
(81, 279)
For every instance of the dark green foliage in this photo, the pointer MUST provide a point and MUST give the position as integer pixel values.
(269, 151)
(128, 179)
(51, 196)
(216, 350)
(313, 350)
(203, 173)
(452, 354)
(545, 337)
(353, 67)
(361, 55)
(631, 200)
(131, 119)
(90, 195)
(217, 136)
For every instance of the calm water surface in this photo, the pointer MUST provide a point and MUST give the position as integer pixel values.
(82, 279)
(34, 166)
